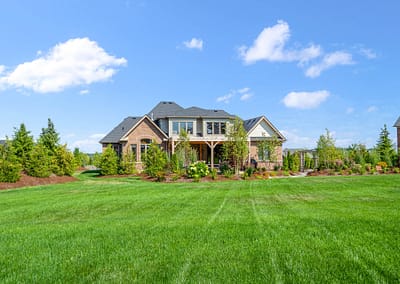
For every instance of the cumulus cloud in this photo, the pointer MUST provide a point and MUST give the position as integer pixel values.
(270, 46)
(305, 100)
(194, 43)
(372, 109)
(330, 60)
(78, 61)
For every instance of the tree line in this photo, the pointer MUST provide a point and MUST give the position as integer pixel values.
(41, 158)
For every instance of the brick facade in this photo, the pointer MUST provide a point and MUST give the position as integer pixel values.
(253, 149)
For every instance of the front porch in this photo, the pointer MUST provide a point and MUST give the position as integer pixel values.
(209, 151)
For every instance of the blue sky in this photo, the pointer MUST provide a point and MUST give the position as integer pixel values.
(306, 66)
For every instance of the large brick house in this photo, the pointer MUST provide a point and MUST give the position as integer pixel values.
(206, 131)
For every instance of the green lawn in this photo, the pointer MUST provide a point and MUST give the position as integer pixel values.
(296, 230)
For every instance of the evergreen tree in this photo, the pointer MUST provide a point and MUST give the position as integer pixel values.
(108, 162)
(384, 147)
(22, 144)
(49, 137)
(236, 147)
(63, 162)
(155, 161)
(38, 162)
(10, 168)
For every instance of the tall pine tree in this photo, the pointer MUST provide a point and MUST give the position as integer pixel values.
(385, 148)
(22, 144)
(49, 137)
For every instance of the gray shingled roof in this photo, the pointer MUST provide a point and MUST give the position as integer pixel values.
(201, 112)
(3, 142)
(250, 123)
(164, 109)
(118, 132)
(397, 124)
(171, 109)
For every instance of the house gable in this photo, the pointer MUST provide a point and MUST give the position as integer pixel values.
(261, 127)
(145, 127)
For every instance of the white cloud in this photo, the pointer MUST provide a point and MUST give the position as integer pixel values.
(226, 98)
(270, 46)
(84, 92)
(2, 69)
(372, 109)
(368, 53)
(330, 60)
(305, 100)
(243, 90)
(78, 61)
(349, 110)
(194, 43)
(246, 96)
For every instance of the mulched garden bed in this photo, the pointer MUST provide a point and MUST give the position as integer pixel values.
(26, 180)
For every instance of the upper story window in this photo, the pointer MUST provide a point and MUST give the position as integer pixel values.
(185, 125)
(216, 128)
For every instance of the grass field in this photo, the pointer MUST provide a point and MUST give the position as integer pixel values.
(323, 229)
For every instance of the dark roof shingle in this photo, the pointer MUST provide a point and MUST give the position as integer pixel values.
(164, 109)
(250, 123)
(120, 130)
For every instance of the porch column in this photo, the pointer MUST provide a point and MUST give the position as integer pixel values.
(212, 145)
(172, 146)
(249, 156)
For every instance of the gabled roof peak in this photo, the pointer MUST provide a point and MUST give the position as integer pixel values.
(397, 123)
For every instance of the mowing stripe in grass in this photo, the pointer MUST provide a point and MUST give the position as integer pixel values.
(182, 274)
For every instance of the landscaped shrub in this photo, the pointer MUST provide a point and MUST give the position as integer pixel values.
(108, 162)
(9, 171)
(127, 165)
(155, 161)
(63, 162)
(213, 173)
(38, 162)
(176, 162)
(197, 170)
(382, 166)
(10, 168)
(248, 172)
